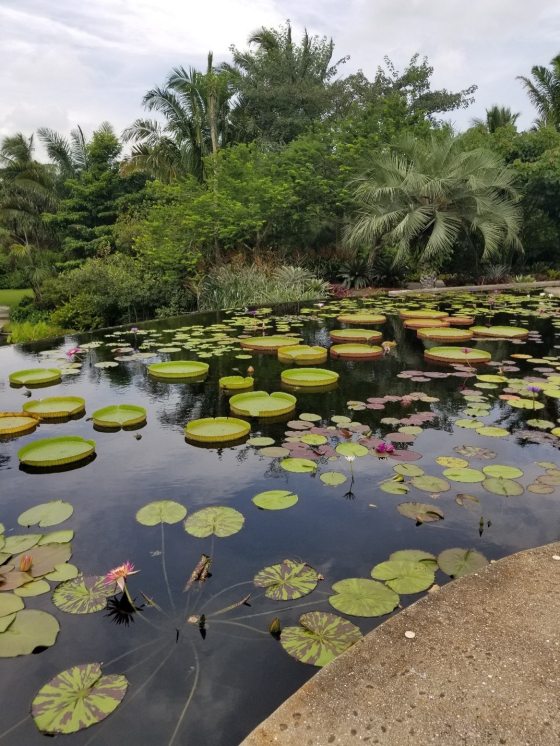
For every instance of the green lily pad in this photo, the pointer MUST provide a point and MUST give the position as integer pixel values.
(351, 450)
(161, 511)
(404, 576)
(274, 452)
(46, 514)
(9, 605)
(458, 562)
(269, 343)
(275, 499)
(178, 369)
(119, 415)
(287, 580)
(236, 383)
(76, 699)
(218, 520)
(310, 417)
(30, 629)
(57, 537)
(83, 595)
(394, 487)
(492, 432)
(415, 555)
(451, 462)
(319, 638)
(509, 332)
(262, 404)
(16, 544)
(457, 355)
(311, 439)
(363, 597)
(525, 404)
(65, 571)
(35, 588)
(258, 442)
(469, 424)
(464, 475)
(55, 407)
(426, 483)
(298, 465)
(217, 429)
(333, 478)
(309, 377)
(56, 451)
(35, 376)
(505, 487)
(408, 470)
(44, 558)
(502, 472)
(420, 512)
(475, 452)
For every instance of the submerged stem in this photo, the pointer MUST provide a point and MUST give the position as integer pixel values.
(13, 728)
(164, 568)
(189, 698)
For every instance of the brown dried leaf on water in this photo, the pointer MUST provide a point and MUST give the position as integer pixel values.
(275, 628)
(242, 602)
(200, 572)
(466, 501)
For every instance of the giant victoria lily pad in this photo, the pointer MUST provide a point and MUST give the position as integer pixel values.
(363, 597)
(444, 334)
(422, 313)
(35, 376)
(76, 699)
(236, 383)
(509, 332)
(56, 451)
(269, 343)
(367, 336)
(262, 404)
(29, 629)
(457, 355)
(83, 595)
(179, 369)
(319, 638)
(404, 576)
(302, 354)
(309, 377)
(287, 580)
(119, 415)
(218, 520)
(55, 407)
(356, 351)
(362, 317)
(217, 429)
(17, 423)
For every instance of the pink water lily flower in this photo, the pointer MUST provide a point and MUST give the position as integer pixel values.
(119, 574)
(73, 351)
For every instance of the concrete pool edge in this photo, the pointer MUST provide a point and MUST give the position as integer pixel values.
(483, 667)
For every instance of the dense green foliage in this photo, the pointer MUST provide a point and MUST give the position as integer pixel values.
(276, 162)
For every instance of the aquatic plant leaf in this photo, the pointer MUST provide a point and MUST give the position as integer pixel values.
(333, 478)
(502, 472)
(363, 597)
(505, 487)
(415, 555)
(6, 620)
(57, 537)
(218, 520)
(9, 604)
(35, 588)
(450, 462)
(404, 576)
(310, 417)
(475, 452)
(46, 514)
(77, 698)
(492, 432)
(260, 441)
(274, 452)
(287, 580)
(464, 475)
(83, 595)
(11, 578)
(275, 499)
(161, 511)
(351, 450)
(420, 512)
(44, 558)
(427, 483)
(311, 439)
(469, 424)
(319, 638)
(21, 543)
(408, 470)
(525, 404)
(458, 562)
(30, 629)
(298, 465)
(63, 572)
(393, 487)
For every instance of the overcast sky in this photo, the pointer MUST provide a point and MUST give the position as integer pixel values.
(64, 62)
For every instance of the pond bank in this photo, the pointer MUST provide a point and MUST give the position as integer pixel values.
(545, 284)
(483, 668)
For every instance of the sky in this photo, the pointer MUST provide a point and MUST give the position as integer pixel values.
(67, 62)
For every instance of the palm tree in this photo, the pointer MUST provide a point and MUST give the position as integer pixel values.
(544, 92)
(195, 107)
(496, 117)
(426, 196)
(26, 192)
(69, 155)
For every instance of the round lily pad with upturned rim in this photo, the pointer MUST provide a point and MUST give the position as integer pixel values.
(119, 415)
(217, 429)
(55, 407)
(35, 376)
(362, 317)
(423, 323)
(309, 377)
(179, 369)
(56, 451)
(457, 355)
(236, 383)
(319, 638)
(17, 423)
(368, 336)
(356, 351)
(77, 698)
(302, 354)
(275, 499)
(510, 332)
(444, 334)
(219, 520)
(262, 404)
(422, 313)
(363, 597)
(268, 343)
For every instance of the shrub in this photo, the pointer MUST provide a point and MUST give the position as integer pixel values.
(28, 331)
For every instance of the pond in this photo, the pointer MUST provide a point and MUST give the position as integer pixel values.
(405, 451)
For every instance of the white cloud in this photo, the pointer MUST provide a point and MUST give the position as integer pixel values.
(69, 62)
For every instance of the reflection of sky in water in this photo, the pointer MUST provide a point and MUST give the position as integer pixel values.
(243, 674)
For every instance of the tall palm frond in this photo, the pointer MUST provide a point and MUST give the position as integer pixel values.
(544, 92)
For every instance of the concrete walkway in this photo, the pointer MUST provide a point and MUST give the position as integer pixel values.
(483, 668)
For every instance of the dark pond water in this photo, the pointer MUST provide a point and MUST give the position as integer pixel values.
(186, 688)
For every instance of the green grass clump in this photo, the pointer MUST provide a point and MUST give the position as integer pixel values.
(28, 331)
(12, 297)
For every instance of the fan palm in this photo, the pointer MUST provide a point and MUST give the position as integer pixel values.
(496, 117)
(195, 108)
(426, 196)
(544, 92)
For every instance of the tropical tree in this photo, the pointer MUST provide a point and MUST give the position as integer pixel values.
(26, 192)
(544, 92)
(69, 155)
(427, 197)
(282, 86)
(195, 108)
(496, 117)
